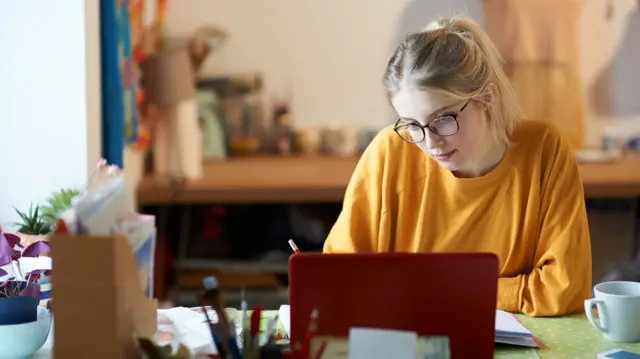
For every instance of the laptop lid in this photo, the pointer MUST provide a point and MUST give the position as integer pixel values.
(439, 294)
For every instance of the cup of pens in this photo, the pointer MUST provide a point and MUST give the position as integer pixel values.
(234, 341)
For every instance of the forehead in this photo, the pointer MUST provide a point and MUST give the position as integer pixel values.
(421, 104)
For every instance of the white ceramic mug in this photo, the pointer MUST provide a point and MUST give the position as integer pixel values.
(618, 305)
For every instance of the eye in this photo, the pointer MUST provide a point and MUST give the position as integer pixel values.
(404, 123)
(445, 118)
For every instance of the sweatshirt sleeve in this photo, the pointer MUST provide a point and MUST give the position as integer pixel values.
(561, 278)
(363, 215)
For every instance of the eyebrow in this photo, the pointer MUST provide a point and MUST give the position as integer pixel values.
(434, 113)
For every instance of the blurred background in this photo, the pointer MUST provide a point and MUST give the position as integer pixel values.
(239, 122)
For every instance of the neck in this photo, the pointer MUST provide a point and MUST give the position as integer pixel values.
(491, 159)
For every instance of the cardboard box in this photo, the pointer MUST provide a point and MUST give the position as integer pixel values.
(99, 303)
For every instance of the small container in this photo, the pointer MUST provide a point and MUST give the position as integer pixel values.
(611, 142)
(340, 141)
(307, 141)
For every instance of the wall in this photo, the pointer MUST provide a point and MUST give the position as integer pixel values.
(330, 54)
(49, 99)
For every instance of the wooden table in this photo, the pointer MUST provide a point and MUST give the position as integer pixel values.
(324, 179)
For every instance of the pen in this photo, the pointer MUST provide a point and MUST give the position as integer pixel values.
(212, 297)
(256, 316)
(294, 247)
(214, 336)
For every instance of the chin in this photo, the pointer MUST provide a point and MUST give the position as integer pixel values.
(453, 164)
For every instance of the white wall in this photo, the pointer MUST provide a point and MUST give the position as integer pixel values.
(49, 99)
(331, 53)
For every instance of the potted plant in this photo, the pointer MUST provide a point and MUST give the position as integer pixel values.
(58, 202)
(19, 292)
(32, 227)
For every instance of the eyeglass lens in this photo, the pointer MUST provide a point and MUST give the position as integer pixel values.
(443, 126)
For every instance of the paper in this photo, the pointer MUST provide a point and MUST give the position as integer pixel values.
(99, 208)
(382, 344)
(509, 330)
(190, 328)
(338, 348)
(140, 231)
(284, 315)
(507, 324)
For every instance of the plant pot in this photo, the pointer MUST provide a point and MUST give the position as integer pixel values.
(27, 239)
(22, 341)
(20, 309)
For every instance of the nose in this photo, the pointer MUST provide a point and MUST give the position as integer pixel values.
(431, 140)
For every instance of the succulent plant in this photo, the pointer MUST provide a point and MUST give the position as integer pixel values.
(32, 222)
(58, 202)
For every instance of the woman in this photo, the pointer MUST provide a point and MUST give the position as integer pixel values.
(460, 172)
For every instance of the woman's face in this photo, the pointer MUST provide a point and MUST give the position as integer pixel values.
(467, 152)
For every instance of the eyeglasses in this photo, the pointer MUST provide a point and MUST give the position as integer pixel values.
(446, 125)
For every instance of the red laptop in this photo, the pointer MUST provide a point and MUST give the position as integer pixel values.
(433, 294)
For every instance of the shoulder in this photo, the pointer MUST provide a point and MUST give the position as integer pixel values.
(390, 156)
(543, 152)
(542, 140)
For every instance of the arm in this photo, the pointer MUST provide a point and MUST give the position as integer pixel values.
(561, 278)
(358, 226)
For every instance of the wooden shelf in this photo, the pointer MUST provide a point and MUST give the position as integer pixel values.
(257, 180)
(620, 179)
(323, 179)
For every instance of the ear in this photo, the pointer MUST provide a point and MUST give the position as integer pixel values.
(490, 93)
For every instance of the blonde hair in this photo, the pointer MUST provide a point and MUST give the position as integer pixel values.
(456, 56)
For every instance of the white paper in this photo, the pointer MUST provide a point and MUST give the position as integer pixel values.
(191, 328)
(284, 315)
(99, 208)
(382, 344)
(507, 323)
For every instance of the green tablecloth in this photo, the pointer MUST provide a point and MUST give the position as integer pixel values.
(570, 337)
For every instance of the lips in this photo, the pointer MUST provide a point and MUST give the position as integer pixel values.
(445, 156)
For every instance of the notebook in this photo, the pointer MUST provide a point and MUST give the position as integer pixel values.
(509, 330)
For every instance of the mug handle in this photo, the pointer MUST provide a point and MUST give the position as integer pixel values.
(588, 310)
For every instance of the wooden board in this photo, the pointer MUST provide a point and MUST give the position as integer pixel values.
(618, 179)
(324, 179)
(257, 180)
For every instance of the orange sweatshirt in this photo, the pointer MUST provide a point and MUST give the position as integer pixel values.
(529, 211)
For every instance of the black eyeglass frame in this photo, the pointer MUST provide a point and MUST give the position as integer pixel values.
(397, 127)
